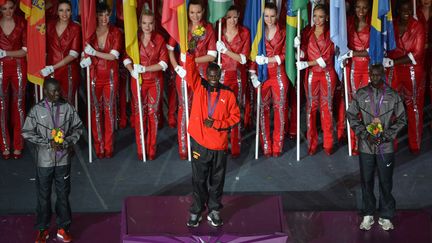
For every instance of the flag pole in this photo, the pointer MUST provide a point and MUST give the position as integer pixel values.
(298, 88)
(346, 108)
(220, 39)
(36, 93)
(186, 102)
(141, 120)
(89, 116)
(76, 101)
(257, 121)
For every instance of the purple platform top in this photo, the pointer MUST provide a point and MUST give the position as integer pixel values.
(163, 219)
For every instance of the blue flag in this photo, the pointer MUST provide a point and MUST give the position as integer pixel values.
(254, 21)
(338, 32)
(382, 32)
(75, 10)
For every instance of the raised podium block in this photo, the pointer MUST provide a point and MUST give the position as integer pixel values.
(163, 219)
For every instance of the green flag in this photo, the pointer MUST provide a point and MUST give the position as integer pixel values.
(291, 32)
(218, 9)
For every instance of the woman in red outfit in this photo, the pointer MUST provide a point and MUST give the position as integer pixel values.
(104, 47)
(13, 76)
(405, 69)
(63, 48)
(424, 13)
(153, 60)
(204, 52)
(320, 79)
(274, 89)
(235, 47)
(358, 57)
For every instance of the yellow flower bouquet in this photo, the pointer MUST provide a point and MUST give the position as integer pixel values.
(375, 129)
(57, 135)
(197, 34)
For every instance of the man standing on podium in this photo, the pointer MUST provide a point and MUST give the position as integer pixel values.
(214, 112)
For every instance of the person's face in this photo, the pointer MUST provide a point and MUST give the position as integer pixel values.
(7, 9)
(213, 77)
(64, 12)
(376, 76)
(319, 17)
(270, 17)
(52, 92)
(405, 11)
(147, 24)
(426, 3)
(232, 18)
(103, 18)
(361, 8)
(196, 13)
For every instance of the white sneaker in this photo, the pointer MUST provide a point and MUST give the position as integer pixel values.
(386, 224)
(367, 222)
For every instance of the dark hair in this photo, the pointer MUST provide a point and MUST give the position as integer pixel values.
(322, 7)
(102, 7)
(403, 2)
(213, 66)
(233, 8)
(64, 1)
(377, 66)
(50, 81)
(13, 2)
(196, 2)
(271, 5)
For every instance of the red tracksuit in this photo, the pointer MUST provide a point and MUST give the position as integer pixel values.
(358, 67)
(428, 50)
(408, 79)
(58, 47)
(13, 79)
(151, 91)
(235, 77)
(206, 45)
(104, 88)
(319, 85)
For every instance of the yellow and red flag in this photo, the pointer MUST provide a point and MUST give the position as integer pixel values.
(174, 20)
(34, 11)
(131, 29)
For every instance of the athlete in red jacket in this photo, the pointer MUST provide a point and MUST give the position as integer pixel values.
(214, 112)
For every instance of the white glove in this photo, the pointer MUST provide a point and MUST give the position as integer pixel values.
(85, 62)
(134, 73)
(255, 82)
(183, 57)
(181, 72)
(296, 42)
(47, 70)
(220, 46)
(2, 53)
(261, 60)
(302, 65)
(139, 68)
(321, 62)
(387, 62)
(89, 50)
(302, 55)
(345, 56)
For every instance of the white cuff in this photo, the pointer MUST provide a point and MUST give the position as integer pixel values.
(411, 57)
(115, 53)
(243, 59)
(24, 48)
(170, 48)
(212, 53)
(278, 60)
(73, 53)
(251, 71)
(164, 65)
(127, 61)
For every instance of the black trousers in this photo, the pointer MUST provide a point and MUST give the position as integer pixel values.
(208, 178)
(44, 180)
(384, 165)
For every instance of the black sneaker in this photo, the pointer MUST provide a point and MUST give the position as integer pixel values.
(194, 220)
(214, 218)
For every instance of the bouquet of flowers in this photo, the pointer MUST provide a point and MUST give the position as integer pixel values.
(197, 34)
(375, 128)
(57, 135)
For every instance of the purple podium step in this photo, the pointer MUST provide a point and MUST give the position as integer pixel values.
(163, 219)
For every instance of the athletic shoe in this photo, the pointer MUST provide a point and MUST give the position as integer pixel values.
(214, 218)
(386, 224)
(64, 235)
(194, 220)
(367, 222)
(42, 236)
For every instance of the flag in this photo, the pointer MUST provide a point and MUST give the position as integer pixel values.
(2, 2)
(174, 20)
(34, 11)
(254, 21)
(88, 19)
(75, 9)
(291, 32)
(382, 32)
(218, 9)
(113, 17)
(338, 32)
(131, 30)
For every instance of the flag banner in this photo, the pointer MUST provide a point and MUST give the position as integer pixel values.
(75, 9)
(174, 20)
(88, 19)
(338, 32)
(34, 11)
(112, 4)
(131, 30)
(382, 32)
(254, 21)
(291, 32)
(218, 9)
